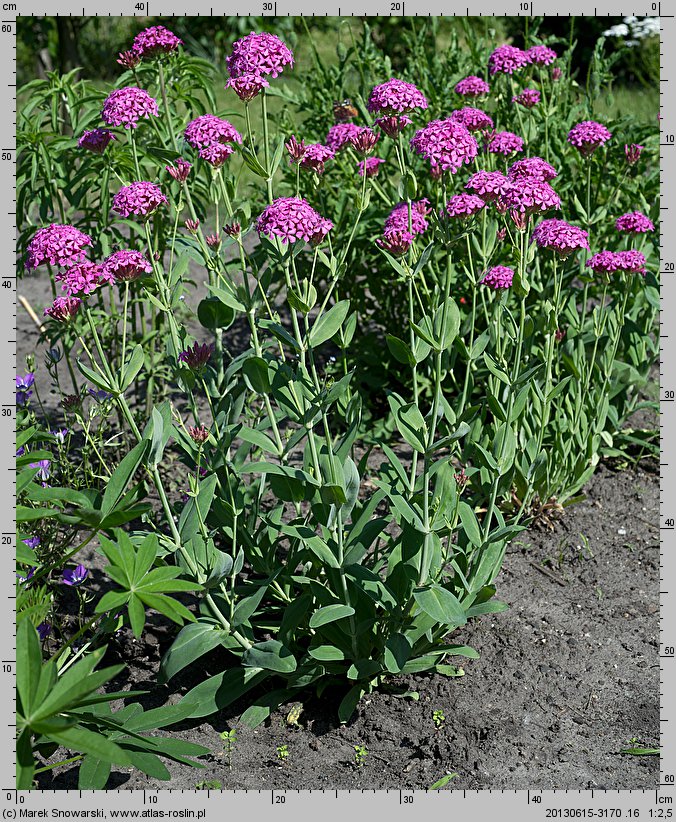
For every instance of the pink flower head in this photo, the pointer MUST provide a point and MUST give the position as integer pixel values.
(216, 154)
(156, 40)
(291, 219)
(464, 206)
(125, 266)
(396, 97)
(473, 119)
(139, 198)
(213, 241)
(339, 135)
(489, 185)
(396, 243)
(262, 54)
(192, 226)
(393, 125)
(397, 219)
(83, 278)
(180, 171)
(315, 156)
(541, 55)
(631, 261)
(63, 309)
(96, 140)
(247, 86)
(129, 59)
(472, 87)
(196, 356)
(445, 144)
(199, 435)
(528, 98)
(634, 223)
(499, 277)
(364, 141)
(505, 143)
(57, 244)
(125, 107)
(507, 60)
(207, 129)
(587, 136)
(604, 262)
(232, 229)
(529, 195)
(534, 167)
(372, 165)
(560, 237)
(632, 153)
(557, 73)
(295, 149)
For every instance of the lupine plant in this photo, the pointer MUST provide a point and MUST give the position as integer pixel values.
(422, 323)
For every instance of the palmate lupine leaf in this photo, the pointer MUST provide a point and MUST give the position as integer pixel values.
(143, 587)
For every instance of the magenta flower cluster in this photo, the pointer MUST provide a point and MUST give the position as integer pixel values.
(464, 206)
(57, 244)
(607, 262)
(291, 219)
(473, 119)
(541, 55)
(139, 199)
(498, 277)
(505, 143)
(259, 55)
(154, 41)
(528, 195)
(124, 107)
(96, 140)
(371, 165)
(560, 237)
(528, 98)
(446, 144)
(83, 278)
(634, 223)
(247, 86)
(489, 185)
(397, 219)
(396, 97)
(315, 156)
(216, 154)
(208, 129)
(125, 266)
(340, 134)
(472, 87)
(507, 60)
(532, 167)
(63, 309)
(587, 136)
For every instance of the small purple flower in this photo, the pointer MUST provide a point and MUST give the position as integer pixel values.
(44, 629)
(528, 98)
(43, 467)
(60, 434)
(541, 55)
(74, 576)
(23, 580)
(32, 543)
(23, 388)
(473, 119)
(587, 136)
(20, 451)
(99, 394)
(196, 356)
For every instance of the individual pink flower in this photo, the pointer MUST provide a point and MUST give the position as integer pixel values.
(216, 154)
(473, 119)
(528, 98)
(489, 185)
(96, 140)
(261, 54)
(364, 141)
(63, 309)
(398, 218)
(534, 167)
(372, 165)
(83, 278)
(315, 157)
(632, 153)
(207, 129)
(198, 434)
(396, 97)
(156, 40)
(339, 135)
(529, 195)
(472, 87)
(499, 277)
(587, 136)
(180, 171)
(560, 237)
(505, 143)
(464, 206)
(603, 262)
(634, 223)
(291, 219)
(507, 60)
(393, 125)
(541, 55)
(247, 86)
(57, 244)
(631, 261)
(127, 265)
(125, 107)
(445, 144)
(139, 198)
(396, 243)
(296, 149)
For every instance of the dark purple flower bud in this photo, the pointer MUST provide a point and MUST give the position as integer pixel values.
(63, 309)
(520, 219)
(632, 153)
(396, 243)
(364, 141)
(71, 402)
(556, 73)
(199, 435)
(74, 576)
(129, 59)
(559, 334)
(192, 225)
(196, 356)
(233, 229)
(502, 233)
(213, 241)
(461, 479)
(393, 125)
(96, 140)
(296, 149)
(180, 171)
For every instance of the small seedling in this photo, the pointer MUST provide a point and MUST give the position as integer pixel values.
(282, 752)
(438, 717)
(229, 738)
(209, 785)
(360, 754)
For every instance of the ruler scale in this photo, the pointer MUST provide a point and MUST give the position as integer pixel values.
(486, 804)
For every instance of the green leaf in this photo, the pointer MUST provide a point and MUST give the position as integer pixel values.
(93, 774)
(329, 323)
(263, 707)
(255, 370)
(441, 605)
(252, 162)
(227, 298)
(397, 651)
(326, 653)
(349, 702)
(441, 783)
(400, 350)
(410, 423)
(25, 763)
(495, 369)
(280, 333)
(28, 665)
(93, 376)
(470, 524)
(121, 476)
(132, 367)
(213, 313)
(270, 655)
(330, 613)
(88, 742)
(192, 642)
(446, 331)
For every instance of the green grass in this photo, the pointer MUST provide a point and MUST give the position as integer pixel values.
(642, 103)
